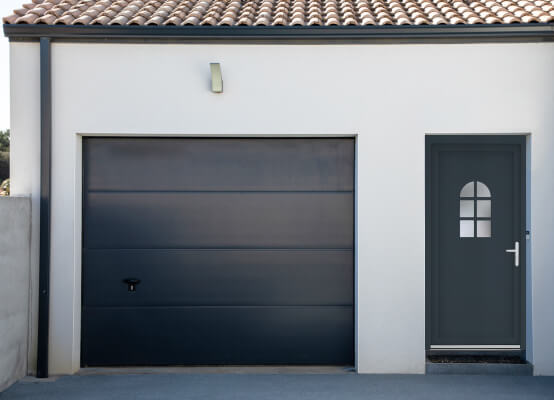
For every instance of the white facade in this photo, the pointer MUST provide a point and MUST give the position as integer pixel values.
(386, 96)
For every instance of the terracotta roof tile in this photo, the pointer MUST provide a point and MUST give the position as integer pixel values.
(282, 12)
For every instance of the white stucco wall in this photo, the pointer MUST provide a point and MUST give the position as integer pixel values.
(25, 160)
(389, 96)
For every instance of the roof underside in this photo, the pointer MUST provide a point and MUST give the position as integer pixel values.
(281, 12)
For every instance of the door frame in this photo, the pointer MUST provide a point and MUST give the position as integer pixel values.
(430, 141)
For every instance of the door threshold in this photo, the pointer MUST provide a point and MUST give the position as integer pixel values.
(214, 369)
(478, 368)
(476, 359)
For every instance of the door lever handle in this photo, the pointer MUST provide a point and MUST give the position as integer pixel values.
(515, 250)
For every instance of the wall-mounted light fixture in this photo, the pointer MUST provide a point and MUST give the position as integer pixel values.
(217, 79)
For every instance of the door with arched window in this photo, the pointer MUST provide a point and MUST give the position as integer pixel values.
(475, 243)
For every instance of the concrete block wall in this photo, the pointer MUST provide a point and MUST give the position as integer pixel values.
(15, 242)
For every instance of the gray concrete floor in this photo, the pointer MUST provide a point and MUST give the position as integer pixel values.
(298, 386)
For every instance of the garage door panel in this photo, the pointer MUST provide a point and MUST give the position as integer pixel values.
(222, 277)
(211, 335)
(219, 220)
(219, 164)
(244, 249)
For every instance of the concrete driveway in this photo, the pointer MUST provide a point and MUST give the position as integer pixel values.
(245, 386)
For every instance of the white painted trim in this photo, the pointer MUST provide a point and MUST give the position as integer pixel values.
(219, 135)
(78, 253)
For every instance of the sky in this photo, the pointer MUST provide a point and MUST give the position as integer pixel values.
(6, 7)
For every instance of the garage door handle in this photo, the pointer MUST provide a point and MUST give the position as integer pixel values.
(515, 250)
(132, 283)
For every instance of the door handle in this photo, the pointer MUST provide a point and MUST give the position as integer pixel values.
(132, 283)
(515, 250)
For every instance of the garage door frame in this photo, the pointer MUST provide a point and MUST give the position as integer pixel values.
(215, 137)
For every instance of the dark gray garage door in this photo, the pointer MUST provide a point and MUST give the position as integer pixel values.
(243, 249)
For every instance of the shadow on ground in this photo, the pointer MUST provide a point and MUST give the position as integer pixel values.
(283, 387)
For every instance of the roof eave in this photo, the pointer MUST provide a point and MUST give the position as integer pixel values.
(517, 32)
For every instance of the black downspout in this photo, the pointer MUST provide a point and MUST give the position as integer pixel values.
(45, 164)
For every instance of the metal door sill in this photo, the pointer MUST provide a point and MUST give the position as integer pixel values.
(476, 347)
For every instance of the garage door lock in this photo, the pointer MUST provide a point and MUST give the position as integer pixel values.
(132, 284)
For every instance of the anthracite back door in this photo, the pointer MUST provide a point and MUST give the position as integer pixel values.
(476, 259)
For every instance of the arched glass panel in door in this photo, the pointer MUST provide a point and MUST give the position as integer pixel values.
(475, 210)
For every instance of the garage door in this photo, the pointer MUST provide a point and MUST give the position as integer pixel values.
(217, 251)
